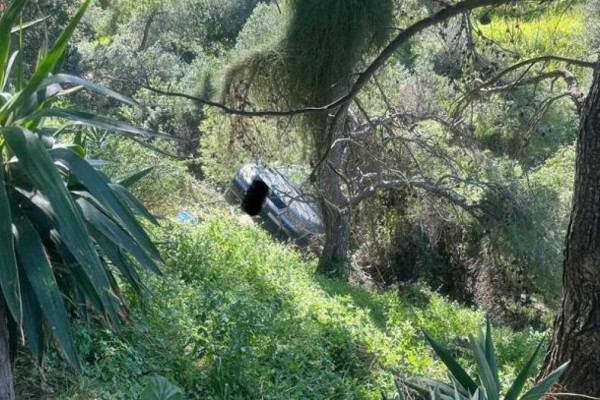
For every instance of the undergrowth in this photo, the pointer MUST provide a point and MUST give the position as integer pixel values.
(238, 315)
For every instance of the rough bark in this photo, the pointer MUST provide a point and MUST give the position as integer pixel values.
(6, 376)
(334, 206)
(576, 335)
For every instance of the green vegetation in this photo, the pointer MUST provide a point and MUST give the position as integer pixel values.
(446, 184)
(239, 316)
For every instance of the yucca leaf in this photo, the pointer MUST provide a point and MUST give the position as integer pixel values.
(96, 183)
(425, 385)
(455, 369)
(38, 272)
(515, 390)
(9, 276)
(32, 320)
(490, 353)
(131, 179)
(40, 168)
(98, 121)
(115, 233)
(8, 69)
(133, 202)
(75, 80)
(113, 253)
(46, 66)
(27, 25)
(7, 21)
(546, 384)
(485, 372)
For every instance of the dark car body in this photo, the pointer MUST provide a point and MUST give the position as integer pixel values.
(285, 213)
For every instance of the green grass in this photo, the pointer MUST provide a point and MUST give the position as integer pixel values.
(238, 315)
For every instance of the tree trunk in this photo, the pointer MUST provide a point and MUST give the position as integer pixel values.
(576, 335)
(334, 205)
(6, 376)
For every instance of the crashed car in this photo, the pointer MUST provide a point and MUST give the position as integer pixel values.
(281, 208)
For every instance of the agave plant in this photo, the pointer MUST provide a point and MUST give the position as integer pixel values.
(68, 235)
(486, 386)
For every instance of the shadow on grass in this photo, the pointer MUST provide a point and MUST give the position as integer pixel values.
(361, 298)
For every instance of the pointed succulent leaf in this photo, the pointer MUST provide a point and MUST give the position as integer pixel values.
(97, 185)
(133, 202)
(490, 353)
(38, 272)
(94, 87)
(40, 168)
(453, 366)
(116, 234)
(28, 24)
(32, 320)
(98, 121)
(46, 66)
(9, 276)
(546, 384)
(131, 179)
(519, 382)
(485, 373)
(7, 21)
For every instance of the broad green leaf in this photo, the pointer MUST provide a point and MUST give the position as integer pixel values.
(159, 388)
(485, 373)
(455, 369)
(40, 168)
(9, 276)
(115, 233)
(38, 272)
(546, 384)
(97, 185)
(46, 66)
(519, 382)
(7, 21)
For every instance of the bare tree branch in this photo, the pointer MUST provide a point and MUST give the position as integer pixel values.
(363, 77)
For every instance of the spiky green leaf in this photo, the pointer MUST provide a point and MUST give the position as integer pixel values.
(490, 354)
(98, 185)
(455, 369)
(75, 80)
(7, 21)
(519, 382)
(38, 272)
(45, 67)
(98, 121)
(40, 169)
(32, 320)
(9, 276)
(485, 372)
(546, 384)
(116, 234)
